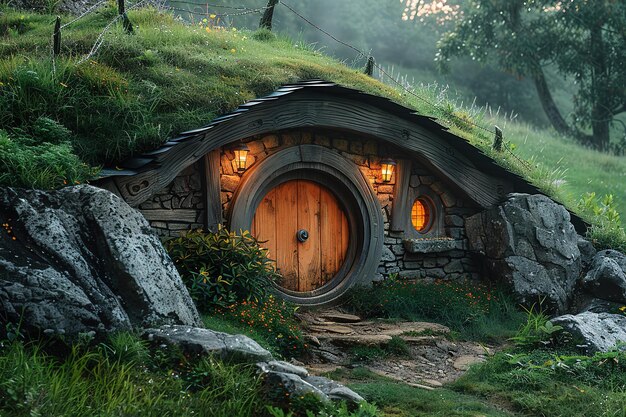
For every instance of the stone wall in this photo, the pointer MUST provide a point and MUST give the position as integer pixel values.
(179, 206)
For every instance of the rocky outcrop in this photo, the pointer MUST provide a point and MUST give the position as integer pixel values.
(606, 279)
(598, 332)
(281, 380)
(80, 260)
(198, 341)
(530, 242)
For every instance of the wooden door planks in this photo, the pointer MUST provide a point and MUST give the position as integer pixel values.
(309, 251)
(286, 228)
(296, 205)
(334, 235)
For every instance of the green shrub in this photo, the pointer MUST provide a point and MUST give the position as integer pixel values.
(222, 268)
(606, 231)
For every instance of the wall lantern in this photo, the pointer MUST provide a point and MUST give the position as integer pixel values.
(241, 156)
(387, 167)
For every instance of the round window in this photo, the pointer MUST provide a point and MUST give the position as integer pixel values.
(420, 215)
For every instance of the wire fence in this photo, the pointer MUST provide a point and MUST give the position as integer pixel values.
(400, 84)
(244, 10)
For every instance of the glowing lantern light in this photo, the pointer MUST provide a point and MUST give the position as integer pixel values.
(388, 166)
(241, 156)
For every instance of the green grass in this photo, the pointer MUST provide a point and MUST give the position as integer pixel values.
(551, 383)
(125, 376)
(400, 400)
(575, 170)
(471, 310)
(122, 377)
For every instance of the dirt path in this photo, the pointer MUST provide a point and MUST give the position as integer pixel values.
(431, 360)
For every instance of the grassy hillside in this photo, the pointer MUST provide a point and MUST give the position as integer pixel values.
(95, 106)
(575, 170)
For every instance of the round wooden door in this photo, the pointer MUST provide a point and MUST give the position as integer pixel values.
(305, 229)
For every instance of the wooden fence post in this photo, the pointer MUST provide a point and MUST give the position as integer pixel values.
(56, 43)
(128, 26)
(498, 140)
(268, 15)
(369, 67)
(121, 9)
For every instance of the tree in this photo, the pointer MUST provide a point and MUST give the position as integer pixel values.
(583, 39)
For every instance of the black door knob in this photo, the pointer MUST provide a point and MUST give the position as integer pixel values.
(302, 235)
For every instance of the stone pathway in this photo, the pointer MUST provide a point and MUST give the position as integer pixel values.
(433, 360)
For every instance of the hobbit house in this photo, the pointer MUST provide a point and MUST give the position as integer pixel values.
(341, 186)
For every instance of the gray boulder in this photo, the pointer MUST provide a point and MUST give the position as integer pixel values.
(282, 366)
(606, 278)
(197, 341)
(80, 260)
(334, 390)
(587, 252)
(281, 387)
(600, 332)
(530, 242)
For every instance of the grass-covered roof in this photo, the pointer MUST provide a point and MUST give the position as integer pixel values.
(138, 90)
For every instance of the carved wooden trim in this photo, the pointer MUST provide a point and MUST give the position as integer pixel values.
(212, 190)
(429, 148)
(400, 208)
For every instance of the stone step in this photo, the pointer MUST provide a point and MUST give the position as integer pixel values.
(331, 328)
(340, 317)
(354, 339)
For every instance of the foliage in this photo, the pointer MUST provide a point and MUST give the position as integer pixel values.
(120, 377)
(581, 38)
(606, 231)
(363, 410)
(222, 268)
(473, 309)
(47, 165)
(552, 383)
(272, 320)
(537, 330)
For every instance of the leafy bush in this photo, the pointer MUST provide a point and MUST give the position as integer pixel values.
(606, 231)
(473, 309)
(222, 268)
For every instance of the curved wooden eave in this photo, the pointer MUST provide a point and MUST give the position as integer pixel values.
(324, 104)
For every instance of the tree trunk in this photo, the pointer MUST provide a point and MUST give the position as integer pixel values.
(548, 104)
(601, 114)
(266, 20)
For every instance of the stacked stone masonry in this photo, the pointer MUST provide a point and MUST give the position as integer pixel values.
(179, 206)
(185, 195)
